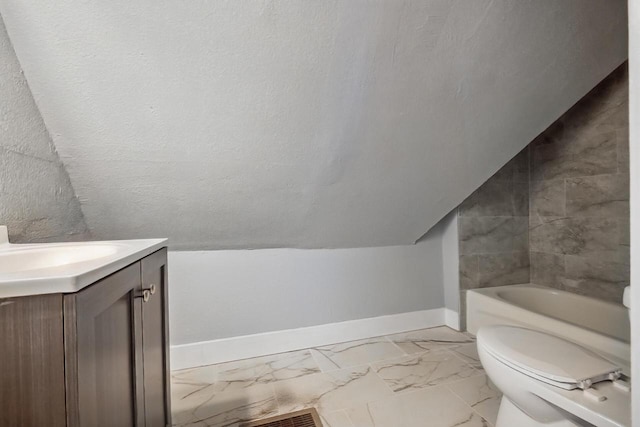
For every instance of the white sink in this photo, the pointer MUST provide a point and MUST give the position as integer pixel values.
(20, 260)
(33, 269)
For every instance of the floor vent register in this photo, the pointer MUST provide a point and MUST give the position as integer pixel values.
(304, 418)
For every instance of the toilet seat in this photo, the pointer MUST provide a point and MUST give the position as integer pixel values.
(546, 357)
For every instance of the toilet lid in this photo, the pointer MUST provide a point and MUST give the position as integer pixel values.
(546, 357)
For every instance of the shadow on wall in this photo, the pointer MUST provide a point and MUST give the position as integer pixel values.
(37, 201)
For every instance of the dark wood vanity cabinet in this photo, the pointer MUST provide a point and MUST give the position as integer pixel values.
(101, 357)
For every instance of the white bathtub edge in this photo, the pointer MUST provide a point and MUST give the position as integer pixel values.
(485, 307)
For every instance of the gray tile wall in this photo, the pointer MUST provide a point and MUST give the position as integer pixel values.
(558, 213)
(493, 227)
(579, 195)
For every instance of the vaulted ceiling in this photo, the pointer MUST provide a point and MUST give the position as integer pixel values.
(297, 123)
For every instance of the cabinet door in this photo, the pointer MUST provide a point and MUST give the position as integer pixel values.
(31, 362)
(104, 370)
(155, 337)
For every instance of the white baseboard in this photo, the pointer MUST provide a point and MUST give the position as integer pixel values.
(452, 319)
(244, 347)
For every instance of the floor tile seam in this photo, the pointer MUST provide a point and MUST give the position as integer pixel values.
(408, 392)
(395, 345)
(449, 386)
(424, 353)
(270, 381)
(429, 386)
(386, 383)
(265, 363)
(266, 383)
(367, 403)
(316, 350)
(331, 378)
(377, 337)
(368, 363)
(466, 379)
(342, 411)
(441, 350)
(388, 336)
(409, 331)
(312, 351)
(357, 343)
(193, 368)
(266, 356)
(386, 341)
(315, 360)
(410, 355)
(346, 414)
(481, 416)
(372, 370)
(468, 406)
(457, 356)
(385, 359)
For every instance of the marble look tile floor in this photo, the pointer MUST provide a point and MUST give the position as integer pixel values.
(431, 377)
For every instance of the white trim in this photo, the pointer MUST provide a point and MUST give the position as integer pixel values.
(452, 319)
(244, 347)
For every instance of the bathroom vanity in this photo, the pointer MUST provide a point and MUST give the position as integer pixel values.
(85, 347)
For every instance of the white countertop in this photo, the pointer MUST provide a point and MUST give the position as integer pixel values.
(48, 268)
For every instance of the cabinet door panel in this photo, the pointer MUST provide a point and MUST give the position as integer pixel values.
(109, 369)
(31, 362)
(155, 338)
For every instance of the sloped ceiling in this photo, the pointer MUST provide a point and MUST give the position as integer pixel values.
(299, 123)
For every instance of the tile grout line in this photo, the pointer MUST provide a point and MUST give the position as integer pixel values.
(468, 406)
(346, 414)
(478, 371)
(472, 406)
(387, 337)
(375, 372)
(313, 352)
(314, 358)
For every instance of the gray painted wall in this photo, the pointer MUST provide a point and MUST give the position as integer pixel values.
(220, 294)
(450, 262)
(37, 201)
(286, 123)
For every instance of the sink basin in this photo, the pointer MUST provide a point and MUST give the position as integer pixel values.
(48, 268)
(19, 260)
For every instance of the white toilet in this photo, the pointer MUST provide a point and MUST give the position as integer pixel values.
(550, 381)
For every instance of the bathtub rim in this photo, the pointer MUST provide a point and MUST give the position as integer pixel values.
(611, 347)
(494, 290)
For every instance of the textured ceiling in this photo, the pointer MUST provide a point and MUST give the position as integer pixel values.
(297, 123)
